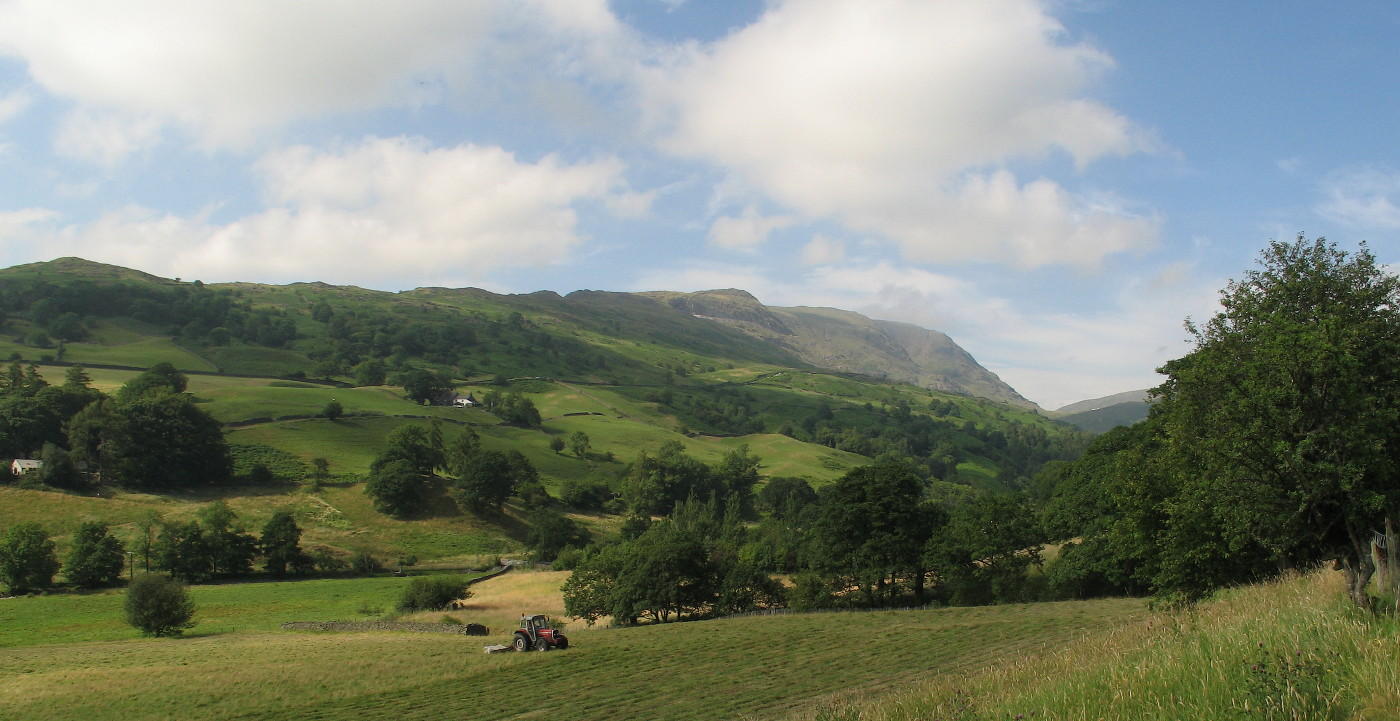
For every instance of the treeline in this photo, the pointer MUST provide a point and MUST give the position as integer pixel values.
(466, 342)
(1270, 446)
(149, 435)
(874, 538)
(418, 466)
(190, 312)
(213, 545)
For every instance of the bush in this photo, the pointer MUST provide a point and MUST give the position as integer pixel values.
(430, 593)
(158, 606)
(364, 564)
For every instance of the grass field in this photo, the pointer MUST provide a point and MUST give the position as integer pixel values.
(1292, 649)
(756, 667)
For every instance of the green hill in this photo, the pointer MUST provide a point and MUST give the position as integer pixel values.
(632, 371)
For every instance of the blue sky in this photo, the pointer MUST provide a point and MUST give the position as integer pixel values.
(1056, 185)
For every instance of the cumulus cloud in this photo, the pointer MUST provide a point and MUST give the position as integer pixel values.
(1362, 198)
(383, 208)
(895, 117)
(13, 103)
(104, 137)
(823, 250)
(746, 232)
(227, 69)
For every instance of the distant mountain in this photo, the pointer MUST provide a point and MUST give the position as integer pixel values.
(1093, 404)
(850, 342)
(1098, 415)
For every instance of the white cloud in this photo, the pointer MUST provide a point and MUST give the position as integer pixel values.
(103, 137)
(823, 250)
(746, 232)
(13, 103)
(892, 116)
(1362, 198)
(380, 209)
(229, 69)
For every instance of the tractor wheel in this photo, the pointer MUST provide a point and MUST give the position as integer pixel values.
(522, 644)
(563, 643)
(541, 644)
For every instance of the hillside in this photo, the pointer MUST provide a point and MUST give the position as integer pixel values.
(1099, 415)
(630, 372)
(849, 342)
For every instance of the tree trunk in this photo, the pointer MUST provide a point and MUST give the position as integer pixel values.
(1359, 568)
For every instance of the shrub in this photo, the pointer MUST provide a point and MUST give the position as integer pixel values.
(363, 563)
(430, 593)
(158, 606)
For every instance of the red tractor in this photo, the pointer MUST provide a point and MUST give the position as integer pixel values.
(536, 632)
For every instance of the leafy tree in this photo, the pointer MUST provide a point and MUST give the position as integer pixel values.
(579, 444)
(422, 386)
(869, 530)
(737, 474)
(96, 558)
(370, 373)
(1287, 413)
(230, 549)
(27, 560)
(320, 473)
(983, 551)
(414, 445)
(158, 606)
(489, 478)
(161, 440)
(162, 377)
(655, 484)
(281, 545)
(785, 496)
(332, 410)
(398, 488)
(551, 532)
(58, 470)
(556, 444)
(182, 551)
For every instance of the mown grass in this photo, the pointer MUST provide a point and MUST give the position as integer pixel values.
(756, 667)
(1292, 649)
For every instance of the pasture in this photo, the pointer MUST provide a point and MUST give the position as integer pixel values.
(236, 665)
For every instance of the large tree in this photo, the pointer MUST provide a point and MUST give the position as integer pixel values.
(96, 558)
(1287, 412)
(161, 440)
(27, 560)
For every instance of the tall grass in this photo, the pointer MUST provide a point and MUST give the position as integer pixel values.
(1293, 649)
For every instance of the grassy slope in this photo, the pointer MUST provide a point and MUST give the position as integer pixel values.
(1292, 649)
(759, 667)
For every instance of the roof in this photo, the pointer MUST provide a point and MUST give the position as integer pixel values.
(27, 463)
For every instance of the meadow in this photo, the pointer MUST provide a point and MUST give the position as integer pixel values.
(66, 658)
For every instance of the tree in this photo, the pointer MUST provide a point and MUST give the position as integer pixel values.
(983, 551)
(551, 532)
(579, 444)
(158, 606)
(556, 444)
(1287, 413)
(423, 386)
(431, 593)
(161, 440)
(414, 445)
(869, 530)
(59, 470)
(230, 549)
(161, 377)
(398, 488)
(489, 478)
(96, 557)
(281, 545)
(27, 560)
(785, 496)
(332, 410)
(370, 373)
(182, 551)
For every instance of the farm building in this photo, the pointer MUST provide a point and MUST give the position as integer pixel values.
(21, 466)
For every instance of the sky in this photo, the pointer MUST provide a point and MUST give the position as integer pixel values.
(1056, 184)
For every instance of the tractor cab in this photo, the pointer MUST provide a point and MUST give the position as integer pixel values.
(538, 633)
